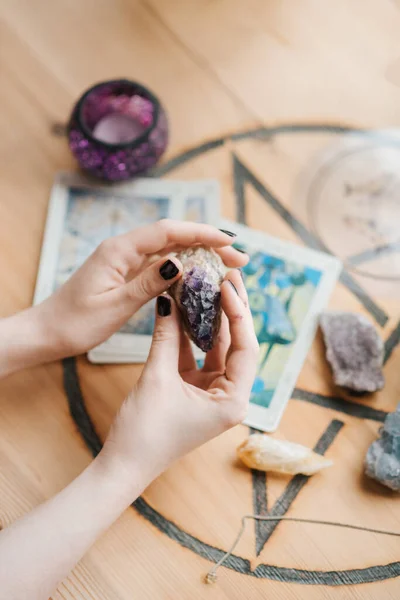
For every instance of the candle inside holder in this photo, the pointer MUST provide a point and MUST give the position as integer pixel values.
(117, 129)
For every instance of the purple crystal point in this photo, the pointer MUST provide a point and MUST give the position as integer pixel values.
(198, 295)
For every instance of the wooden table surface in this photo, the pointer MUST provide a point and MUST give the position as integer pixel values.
(220, 68)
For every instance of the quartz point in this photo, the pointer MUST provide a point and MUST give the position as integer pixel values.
(265, 453)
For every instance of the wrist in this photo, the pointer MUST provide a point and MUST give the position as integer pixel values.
(124, 480)
(23, 341)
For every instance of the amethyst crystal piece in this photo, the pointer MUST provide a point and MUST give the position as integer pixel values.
(198, 294)
(354, 350)
(383, 457)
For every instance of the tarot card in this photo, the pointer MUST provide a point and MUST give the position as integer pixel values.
(199, 201)
(288, 288)
(81, 215)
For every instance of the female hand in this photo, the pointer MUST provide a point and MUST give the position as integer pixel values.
(123, 274)
(172, 409)
(175, 407)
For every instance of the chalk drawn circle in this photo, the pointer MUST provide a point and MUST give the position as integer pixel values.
(239, 564)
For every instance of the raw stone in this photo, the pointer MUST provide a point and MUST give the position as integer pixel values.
(382, 461)
(265, 453)
(354, 350)
(198, 294)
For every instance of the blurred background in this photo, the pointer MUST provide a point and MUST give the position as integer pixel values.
(265, 96)
(217, 66)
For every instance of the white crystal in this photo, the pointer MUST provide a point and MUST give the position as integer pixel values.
(265, 453)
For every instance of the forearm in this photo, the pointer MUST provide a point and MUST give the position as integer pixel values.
(38, 551)
(24, 342)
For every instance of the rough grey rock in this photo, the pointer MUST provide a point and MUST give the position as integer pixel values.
(198, 294)
(354, 350)
(382, 461)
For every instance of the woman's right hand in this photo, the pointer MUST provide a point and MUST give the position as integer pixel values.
(175, 407)
(124, 273)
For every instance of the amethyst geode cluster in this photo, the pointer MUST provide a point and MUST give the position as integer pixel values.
(198, 294)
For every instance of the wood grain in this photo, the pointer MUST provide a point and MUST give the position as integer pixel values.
(219, 67)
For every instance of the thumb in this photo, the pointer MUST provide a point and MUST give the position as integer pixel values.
(166, 336)
(154, 280)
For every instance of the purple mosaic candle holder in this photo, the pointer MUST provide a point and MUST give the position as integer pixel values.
(117, 130)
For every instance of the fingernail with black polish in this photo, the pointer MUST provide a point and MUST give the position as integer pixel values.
(240, 250)
(169, 270)
(234, 287)
(163, 306)
(241, 273)
(230, 233)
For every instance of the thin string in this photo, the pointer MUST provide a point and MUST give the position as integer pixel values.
(212, 577)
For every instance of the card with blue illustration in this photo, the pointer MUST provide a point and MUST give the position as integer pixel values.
(81, 215)
(288, 288)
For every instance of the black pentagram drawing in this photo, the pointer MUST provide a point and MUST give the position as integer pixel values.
(242, 175)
